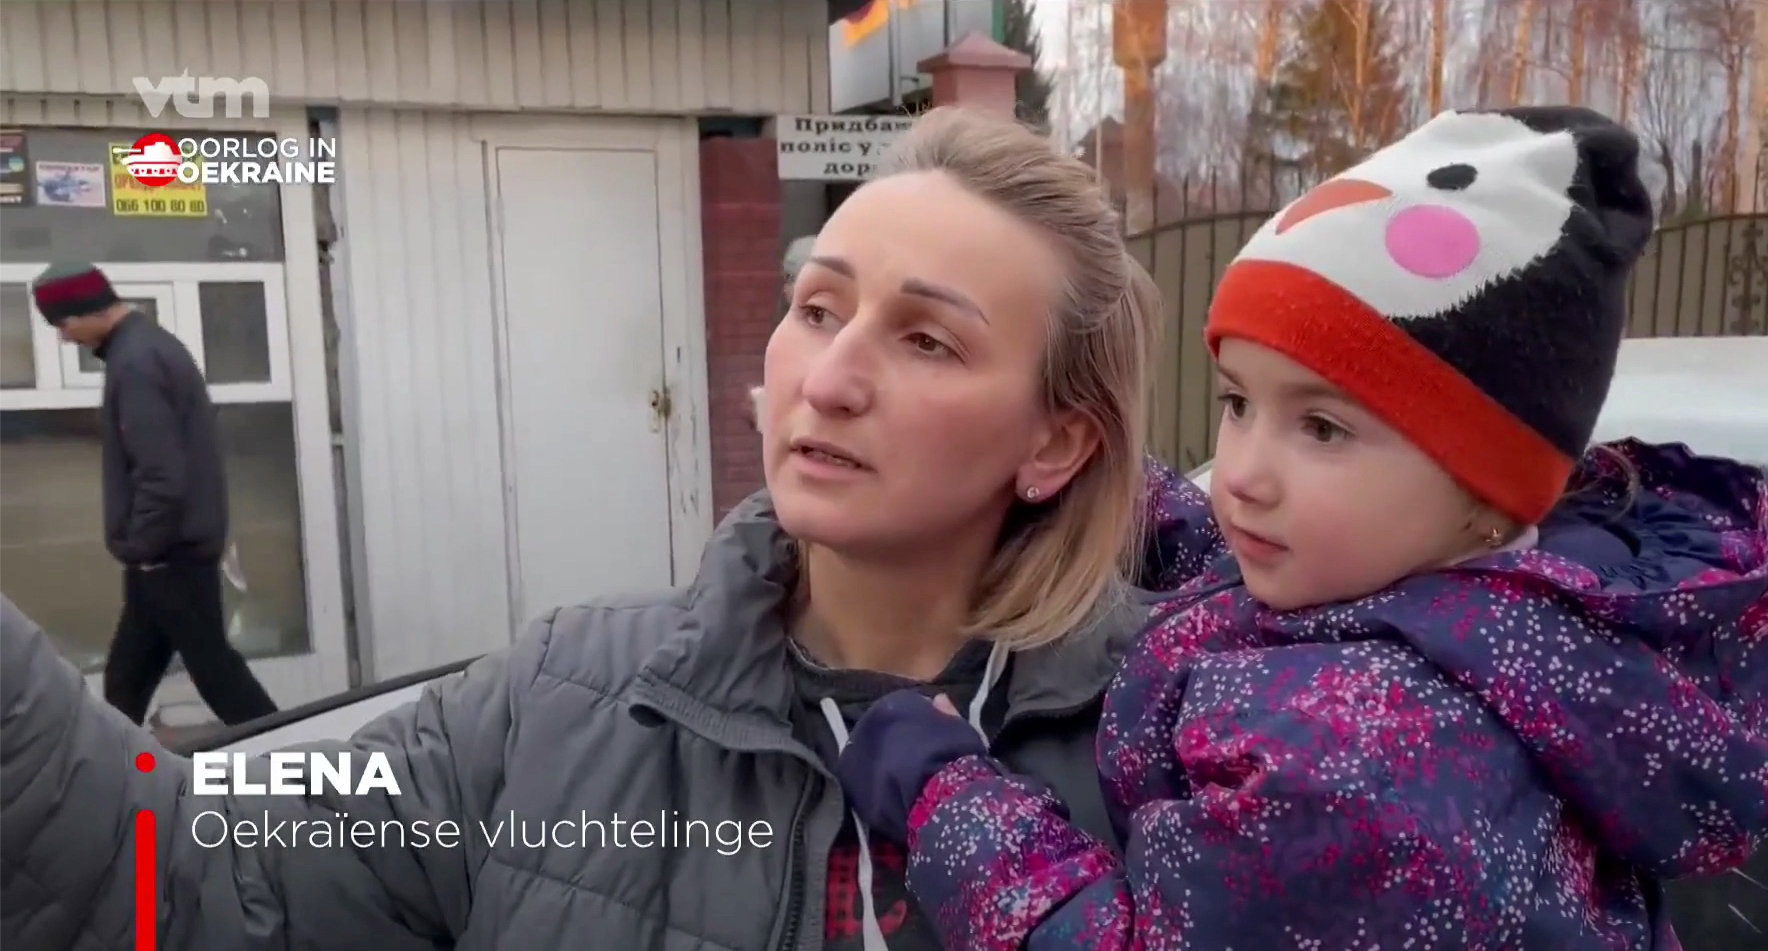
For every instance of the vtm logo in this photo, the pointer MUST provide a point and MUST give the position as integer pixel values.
(155, 160)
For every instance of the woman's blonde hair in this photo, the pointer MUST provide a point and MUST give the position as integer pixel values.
(1062, 561)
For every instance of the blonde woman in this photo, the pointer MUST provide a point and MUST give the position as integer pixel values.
(952, 425)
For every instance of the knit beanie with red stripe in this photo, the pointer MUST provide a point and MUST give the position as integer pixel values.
(1466, 284)
(70, 289)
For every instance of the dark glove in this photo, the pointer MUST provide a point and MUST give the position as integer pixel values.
(893, 751)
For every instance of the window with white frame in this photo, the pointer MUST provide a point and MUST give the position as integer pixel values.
(215, 279)
(229, 316)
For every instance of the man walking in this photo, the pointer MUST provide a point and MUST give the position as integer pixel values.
(165, 500)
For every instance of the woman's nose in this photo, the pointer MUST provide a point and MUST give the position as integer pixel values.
(840, 379)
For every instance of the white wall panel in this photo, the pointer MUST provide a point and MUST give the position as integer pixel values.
(657, 56)
(414, 299)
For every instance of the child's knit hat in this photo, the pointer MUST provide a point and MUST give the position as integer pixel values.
(1467, 284)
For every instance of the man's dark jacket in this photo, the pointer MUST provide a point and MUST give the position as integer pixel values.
(165, 493)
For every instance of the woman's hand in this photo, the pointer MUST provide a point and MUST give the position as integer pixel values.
(894, 749)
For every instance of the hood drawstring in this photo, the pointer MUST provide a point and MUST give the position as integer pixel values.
(870, 930)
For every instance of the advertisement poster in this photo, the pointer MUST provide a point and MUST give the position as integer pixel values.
(71, 185)
(15, 169)
(130, 198)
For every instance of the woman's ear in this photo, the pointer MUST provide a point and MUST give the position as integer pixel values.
(1068, 440)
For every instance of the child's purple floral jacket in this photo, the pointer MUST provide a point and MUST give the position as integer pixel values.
(1504, 755)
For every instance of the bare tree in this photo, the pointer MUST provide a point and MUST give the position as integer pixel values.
(1672, 89)
(1753, 164)
(1270, 36)
(1208, 84)
(1692, 75)
(1726, 33)
(1576, 65)
(1573, 46)
(1520, 49)
(1620, 20)
(1439, 28)
(1499, 60)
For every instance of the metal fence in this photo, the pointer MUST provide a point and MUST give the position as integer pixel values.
(1702, 275)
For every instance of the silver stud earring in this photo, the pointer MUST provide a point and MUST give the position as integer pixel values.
(1031, 494)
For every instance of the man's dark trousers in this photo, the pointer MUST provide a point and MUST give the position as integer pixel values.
(176, 607)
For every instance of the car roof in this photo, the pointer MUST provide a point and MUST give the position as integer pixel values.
(1711, 393)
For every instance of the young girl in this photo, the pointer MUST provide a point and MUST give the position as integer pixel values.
(1454, 688)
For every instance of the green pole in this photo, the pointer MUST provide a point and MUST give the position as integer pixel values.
(1000, 21)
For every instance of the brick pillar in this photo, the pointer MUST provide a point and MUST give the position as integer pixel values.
(977, 72)
(740, 237)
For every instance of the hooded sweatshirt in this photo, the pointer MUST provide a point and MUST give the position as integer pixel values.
(1505, 755)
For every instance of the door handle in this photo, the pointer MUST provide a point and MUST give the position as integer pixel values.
(661, 407)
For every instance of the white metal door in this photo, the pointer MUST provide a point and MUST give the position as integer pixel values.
(587, 463)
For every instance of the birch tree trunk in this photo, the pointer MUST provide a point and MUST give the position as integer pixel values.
(1519, 53)
(1439, 27)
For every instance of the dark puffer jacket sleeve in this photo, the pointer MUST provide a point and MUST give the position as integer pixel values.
(69, 793)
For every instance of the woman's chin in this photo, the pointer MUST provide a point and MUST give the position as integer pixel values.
(813, 520)
(833, 523)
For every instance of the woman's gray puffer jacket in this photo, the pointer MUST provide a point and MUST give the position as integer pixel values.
(667, 708)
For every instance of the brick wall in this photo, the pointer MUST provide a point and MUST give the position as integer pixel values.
(740, 233)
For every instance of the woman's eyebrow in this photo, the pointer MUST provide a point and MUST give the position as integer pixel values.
(913, 285)
(840, 266)
(940, 292)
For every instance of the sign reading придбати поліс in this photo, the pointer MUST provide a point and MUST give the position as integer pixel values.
(835, 148)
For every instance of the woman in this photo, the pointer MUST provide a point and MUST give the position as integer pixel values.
(953, 456)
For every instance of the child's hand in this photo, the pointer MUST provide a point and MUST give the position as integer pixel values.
(894, 750)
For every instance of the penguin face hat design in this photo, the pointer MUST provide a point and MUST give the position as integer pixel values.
(1466, 284)
(1421, 227)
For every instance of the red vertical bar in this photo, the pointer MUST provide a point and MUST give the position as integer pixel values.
(147, 869)
(146, 882)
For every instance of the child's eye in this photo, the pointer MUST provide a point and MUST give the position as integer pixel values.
(1233, 403)
(1321, 429)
